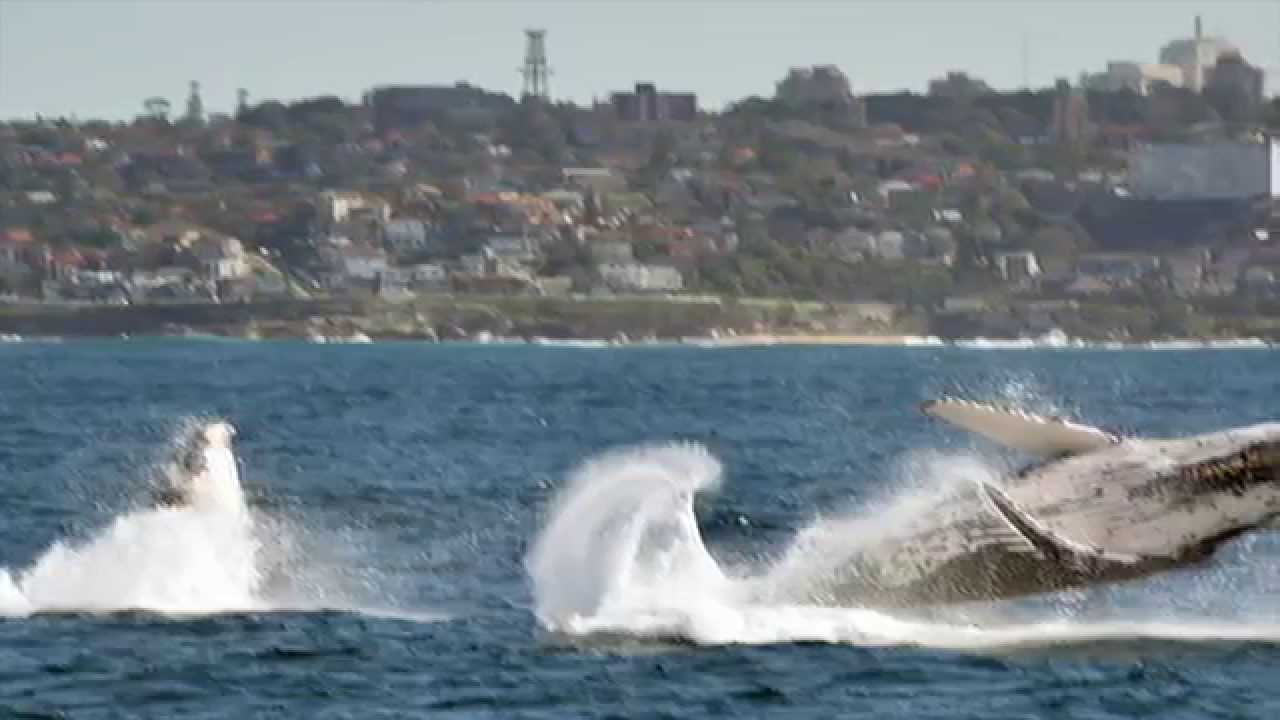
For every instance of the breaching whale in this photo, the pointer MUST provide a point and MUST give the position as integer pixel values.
(1098, 507)
(202, 474)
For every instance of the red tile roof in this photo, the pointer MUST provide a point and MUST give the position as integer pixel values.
(68, 257)
(16, 235)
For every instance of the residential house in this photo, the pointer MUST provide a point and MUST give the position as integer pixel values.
(1258, 280)
(853, 244)
(676, 199)
(87, 286)
(1018, 266)
(475, 264)
(555, 285)
(960, 304)
(494, 283)
(428, 276)
(15, 243)
(339, 206)
(611, 251)
(891, 245)
(425, 277)
(257, 286)
(572, 201)
(405, 234)
(166, 283)
(639, 278)
(938, 242)
(595, 179)
(220, 257)
(950, 216)
(175, 233)
(1188, 272)
(355, 265)
(887, 188)
(512, 249)
(1117, 269)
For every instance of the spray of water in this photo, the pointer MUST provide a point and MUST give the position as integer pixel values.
(205, 550)
(621, 554)
(623, 539)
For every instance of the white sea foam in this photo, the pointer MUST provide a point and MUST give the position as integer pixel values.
(621, 554)
(210, 554)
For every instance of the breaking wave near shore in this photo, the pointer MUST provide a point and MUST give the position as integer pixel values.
(210, 552)
(621, 555)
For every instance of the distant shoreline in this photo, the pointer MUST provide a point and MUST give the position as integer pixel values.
(545, 321)
(707, 342)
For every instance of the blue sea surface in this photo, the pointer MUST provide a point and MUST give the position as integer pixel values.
(399, 488)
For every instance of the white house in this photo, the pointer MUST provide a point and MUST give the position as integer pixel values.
(405, 233)
(337, 206)
(611, 251)
(891, 245)
(426, 277)
(1017, 266)
(638, 277)
(221, 257)
(512, 248)
(363, 263)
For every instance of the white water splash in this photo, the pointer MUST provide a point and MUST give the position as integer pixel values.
(168, 560)
(623, 538)
(209, 553)
(621, 554)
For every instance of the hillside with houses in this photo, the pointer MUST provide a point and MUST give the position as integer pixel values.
(1132, 203)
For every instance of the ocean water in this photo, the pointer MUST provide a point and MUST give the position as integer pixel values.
(481, 531)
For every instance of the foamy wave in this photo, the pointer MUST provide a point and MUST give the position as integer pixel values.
(727, 624)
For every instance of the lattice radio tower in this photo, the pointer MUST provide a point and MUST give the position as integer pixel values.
(535, 70)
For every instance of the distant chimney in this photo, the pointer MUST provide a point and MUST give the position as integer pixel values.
(1199, 29)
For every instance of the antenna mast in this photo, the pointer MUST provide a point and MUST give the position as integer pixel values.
(535, 70)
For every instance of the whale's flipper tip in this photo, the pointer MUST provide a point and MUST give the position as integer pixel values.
(1037, 434)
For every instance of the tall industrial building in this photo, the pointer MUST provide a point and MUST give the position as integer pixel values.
(1070, 124)
(1232, 75)
(646, 104)
(195, 106)
(1195, 55)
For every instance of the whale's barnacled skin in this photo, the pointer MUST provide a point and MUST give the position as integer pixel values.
(1122, 509)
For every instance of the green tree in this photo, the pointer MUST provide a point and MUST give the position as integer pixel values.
(1056, 247)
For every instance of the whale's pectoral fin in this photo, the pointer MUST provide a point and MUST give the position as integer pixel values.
(1047, 436)
(1060, 550)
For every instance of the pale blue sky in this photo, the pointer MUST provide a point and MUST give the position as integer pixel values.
(101, 58)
